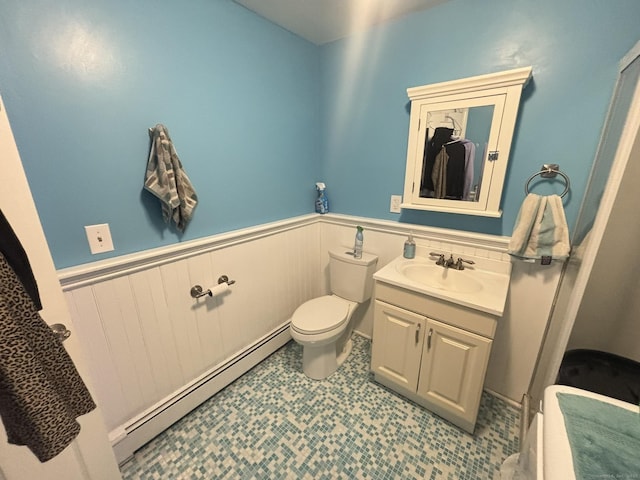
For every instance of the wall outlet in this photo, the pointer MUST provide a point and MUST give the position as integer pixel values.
(396, 200)
(99, 237)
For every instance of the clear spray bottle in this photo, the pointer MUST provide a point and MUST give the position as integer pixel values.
(357, 247)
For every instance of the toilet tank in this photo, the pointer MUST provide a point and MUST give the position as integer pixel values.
(351, 278)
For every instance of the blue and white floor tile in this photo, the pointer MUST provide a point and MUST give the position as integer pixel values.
(275, 423)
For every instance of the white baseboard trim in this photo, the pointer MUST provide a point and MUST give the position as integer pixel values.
(129, 438)
(511, 402)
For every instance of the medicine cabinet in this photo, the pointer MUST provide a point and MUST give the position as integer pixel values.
(459, 141)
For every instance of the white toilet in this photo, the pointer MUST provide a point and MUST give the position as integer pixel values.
(323, 325)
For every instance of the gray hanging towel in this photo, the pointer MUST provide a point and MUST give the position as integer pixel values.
(41, 392)
(166, 179)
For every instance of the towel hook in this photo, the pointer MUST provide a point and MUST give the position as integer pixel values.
(550, 170)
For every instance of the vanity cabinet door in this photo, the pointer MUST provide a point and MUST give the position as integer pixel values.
(452, 372)
(398, 338)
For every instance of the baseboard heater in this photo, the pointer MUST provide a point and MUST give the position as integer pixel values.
(128, 438)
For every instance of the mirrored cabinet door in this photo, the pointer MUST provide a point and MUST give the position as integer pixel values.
(459, 141)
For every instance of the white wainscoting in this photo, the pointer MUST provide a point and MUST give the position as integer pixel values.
(150, 342)
(156, 353)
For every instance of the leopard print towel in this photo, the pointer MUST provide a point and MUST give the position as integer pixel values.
(41, 392)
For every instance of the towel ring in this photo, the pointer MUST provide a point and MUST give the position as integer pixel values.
(550, 171)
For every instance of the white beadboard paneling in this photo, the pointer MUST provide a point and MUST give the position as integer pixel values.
(120, 351)
(206, 319)
(521, 329)
(175, 278)
(150, 339)
(236, 327)
(157, 330)
(107, 388)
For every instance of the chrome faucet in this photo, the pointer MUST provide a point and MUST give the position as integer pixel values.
(450, 262)
(441, 261)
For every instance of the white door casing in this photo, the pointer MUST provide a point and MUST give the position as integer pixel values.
(90, 456)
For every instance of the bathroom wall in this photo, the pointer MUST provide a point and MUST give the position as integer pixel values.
(573, 46)
(83, 82)
(258, 114)
(608, 317)
(585, 287)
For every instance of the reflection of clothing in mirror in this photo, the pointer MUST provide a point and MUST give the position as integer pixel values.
(448, 174)
(432, 147)
(455, 171)
(469, 159)
(439, 173)
(448, 166)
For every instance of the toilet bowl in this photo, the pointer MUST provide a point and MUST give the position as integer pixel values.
(317, 325)
(323, 325)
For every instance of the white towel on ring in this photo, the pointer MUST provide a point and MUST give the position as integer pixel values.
(541, 229)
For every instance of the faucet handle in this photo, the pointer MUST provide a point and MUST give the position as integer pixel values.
(459, 265)
(441, 261)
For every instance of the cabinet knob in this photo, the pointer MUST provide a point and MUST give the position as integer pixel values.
(417, 333)
(429, 339)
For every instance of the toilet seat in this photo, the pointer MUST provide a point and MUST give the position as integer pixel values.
(320, 315)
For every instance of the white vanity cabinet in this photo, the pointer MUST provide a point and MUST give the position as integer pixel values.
(432, 351)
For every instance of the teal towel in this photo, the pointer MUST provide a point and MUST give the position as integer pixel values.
(604, 438)
(541, 229)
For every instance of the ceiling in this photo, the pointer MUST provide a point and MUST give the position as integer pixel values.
(323, 21)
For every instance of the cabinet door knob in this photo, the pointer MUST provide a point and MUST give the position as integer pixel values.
(417, 333)
(429, 339)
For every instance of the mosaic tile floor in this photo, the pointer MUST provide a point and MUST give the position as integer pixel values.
(275, 423)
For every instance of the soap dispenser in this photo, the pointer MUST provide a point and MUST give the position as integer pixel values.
(409, 247)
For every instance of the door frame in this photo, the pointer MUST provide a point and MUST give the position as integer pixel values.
(90, 456)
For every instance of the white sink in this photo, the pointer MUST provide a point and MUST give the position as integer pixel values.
(482, 286)
(461, 281)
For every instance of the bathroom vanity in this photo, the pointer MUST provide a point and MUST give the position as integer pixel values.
(433, 330)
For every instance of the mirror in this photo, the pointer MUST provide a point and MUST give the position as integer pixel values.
(459, 141)
(456, 142)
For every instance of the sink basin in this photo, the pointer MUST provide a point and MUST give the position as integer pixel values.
(483, 287)
(434, 276)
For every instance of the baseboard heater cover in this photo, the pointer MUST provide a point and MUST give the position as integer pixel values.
(144, 428)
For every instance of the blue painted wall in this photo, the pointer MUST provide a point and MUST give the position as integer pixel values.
(573, 46)
(83, 81)
(259, 115)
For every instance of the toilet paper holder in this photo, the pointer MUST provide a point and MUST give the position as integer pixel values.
(197, 291)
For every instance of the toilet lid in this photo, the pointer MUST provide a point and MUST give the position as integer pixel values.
(320, 314)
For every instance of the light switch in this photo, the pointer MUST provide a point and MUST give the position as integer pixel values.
(99, 237)
(396, 200)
